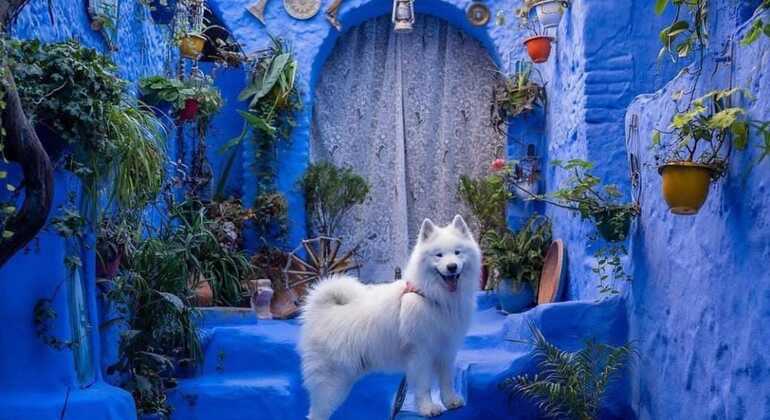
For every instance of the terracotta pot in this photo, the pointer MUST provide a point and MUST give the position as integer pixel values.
(191, 46)
(552, 278)
(190, 110)
(285, 304)
(685, 185)
(538, 48)
(204, 295)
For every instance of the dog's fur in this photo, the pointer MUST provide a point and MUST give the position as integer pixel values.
(350, 329)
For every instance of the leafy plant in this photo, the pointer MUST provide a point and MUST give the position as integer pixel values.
(708, 129)
(683, 36)
(271, 216)
(517, 95)
(518, 257)
(759, 26)
(159, 89)
(44, 316)
(486, 197)
(330, 193)
(116, 235)
(570, 385)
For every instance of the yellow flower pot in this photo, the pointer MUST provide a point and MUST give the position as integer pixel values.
(685, 185)
(191, 45)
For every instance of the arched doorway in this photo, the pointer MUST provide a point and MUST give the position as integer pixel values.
(411, 113)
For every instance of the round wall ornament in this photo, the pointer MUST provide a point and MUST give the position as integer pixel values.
(478, 13)
(302, 9)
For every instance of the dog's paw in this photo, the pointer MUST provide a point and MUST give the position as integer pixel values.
(429, 409)
(453, 401)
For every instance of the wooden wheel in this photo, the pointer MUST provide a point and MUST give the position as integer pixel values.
(322, 260)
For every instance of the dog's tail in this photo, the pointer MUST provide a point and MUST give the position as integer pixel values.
(337, 290)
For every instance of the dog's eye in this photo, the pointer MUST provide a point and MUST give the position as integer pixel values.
(457, 252)
(439, 255)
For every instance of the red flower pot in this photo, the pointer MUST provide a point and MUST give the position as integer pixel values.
(189, 111)
(538, 48)
(108, 269)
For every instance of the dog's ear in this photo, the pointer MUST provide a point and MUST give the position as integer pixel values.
(459, 224)
(426, 230)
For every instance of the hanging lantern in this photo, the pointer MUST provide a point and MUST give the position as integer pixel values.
(403, 15)
(549, 13)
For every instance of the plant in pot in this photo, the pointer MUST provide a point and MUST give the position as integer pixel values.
(114, 238)
(486, 198)
(516, 95)
(330, 193)
(518, 259)
(697, 147)
(189, 100)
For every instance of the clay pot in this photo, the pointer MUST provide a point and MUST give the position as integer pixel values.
(538, 48)
(190, 110)
(108, 268)
(285, 304)
(191, 46)
(204, 295)
(685, 185)
(552, 283)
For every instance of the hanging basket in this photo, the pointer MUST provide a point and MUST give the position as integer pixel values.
(191, 46)
(685, 185)
(538, 48)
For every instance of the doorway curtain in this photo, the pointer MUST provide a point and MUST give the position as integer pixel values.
(410, 113)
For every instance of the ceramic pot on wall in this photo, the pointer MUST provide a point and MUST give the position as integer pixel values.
(538, 48)
(191, 46)
(189, 111)
(685, 185)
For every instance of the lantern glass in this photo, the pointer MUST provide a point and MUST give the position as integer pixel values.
(403, 15)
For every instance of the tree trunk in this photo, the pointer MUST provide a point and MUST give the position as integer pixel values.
(23, 146)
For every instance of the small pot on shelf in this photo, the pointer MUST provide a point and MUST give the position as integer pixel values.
(538, 48)
(515, 296)
(190, 110)
(191, 45)
(686, 185)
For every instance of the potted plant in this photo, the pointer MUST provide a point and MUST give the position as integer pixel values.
(517, 258)
(189, 100)
(330, 193)
(115, 234)
(516, 95)
(191, 45)
(697, 151)
(599, 203)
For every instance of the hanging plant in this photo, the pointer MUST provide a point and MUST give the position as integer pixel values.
(698, 147)
(189, 100)
(83, 117)
(759, 26)
(516, 95)
(683, 36)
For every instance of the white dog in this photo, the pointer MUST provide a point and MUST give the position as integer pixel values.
(415, 325)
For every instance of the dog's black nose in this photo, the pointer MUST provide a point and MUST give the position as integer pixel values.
(452, 267)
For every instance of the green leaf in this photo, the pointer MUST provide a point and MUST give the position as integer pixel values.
(740, 130)
(656, 138)
(753, 34)
(724, 119)
(660, 6)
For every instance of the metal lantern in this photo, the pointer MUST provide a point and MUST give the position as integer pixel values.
(403, 16)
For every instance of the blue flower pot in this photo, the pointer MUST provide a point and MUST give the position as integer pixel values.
(162, 11)
(515, 297)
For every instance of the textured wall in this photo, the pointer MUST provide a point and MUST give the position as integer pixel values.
(37, 381)
(699, 304)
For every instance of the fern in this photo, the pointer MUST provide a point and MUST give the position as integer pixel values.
(570, 385)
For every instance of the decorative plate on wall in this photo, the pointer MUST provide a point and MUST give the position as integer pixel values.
(478, 13)
(302, 9)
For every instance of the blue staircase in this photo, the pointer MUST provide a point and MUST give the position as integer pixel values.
(251, 368)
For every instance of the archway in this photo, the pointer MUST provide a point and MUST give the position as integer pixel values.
(411, 113)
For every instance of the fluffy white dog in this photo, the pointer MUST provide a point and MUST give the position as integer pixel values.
(415, 325)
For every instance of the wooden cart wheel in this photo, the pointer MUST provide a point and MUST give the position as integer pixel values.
(322, 260)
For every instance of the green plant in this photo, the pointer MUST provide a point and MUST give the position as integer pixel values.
(271, 215)
(486, 198)
(519, 256)
(570, 385)
(159, 89)
(139, 138)
(330, 193)
(116, 235)
(706, 132)
(683, 36)
(44, 316)
(759, 26)
(517, 95)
